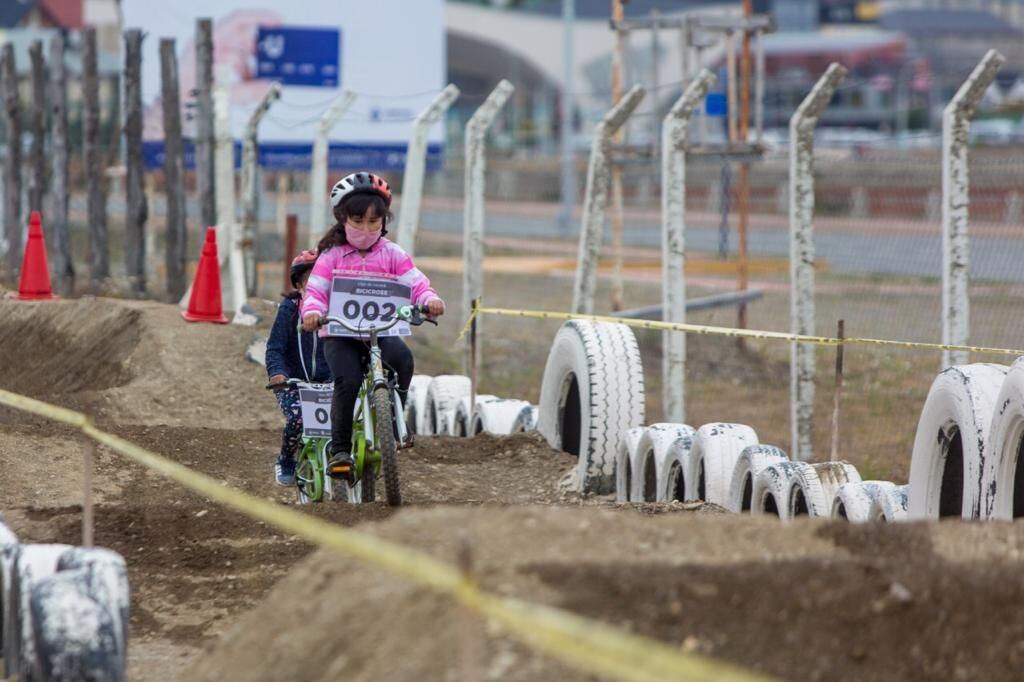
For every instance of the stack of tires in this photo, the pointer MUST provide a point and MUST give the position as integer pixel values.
(65, 611)
(440, 406)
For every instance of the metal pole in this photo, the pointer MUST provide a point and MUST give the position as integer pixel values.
(956, 121)
(674, 133)
(205, 174)
(415, 167)
(595, 201)
(801, 257)
(759, 87)
(742, 265)
(568, 188)
(250, 187)
(473, 356)
(837, 396)
(655, 83)
(58, 94)
(137, 210)
(99, 252)
(618, 47)
(177, 236)
(730, 61)
(473, 217)
(318, 174)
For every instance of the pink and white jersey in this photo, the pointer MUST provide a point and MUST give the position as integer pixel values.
(384, 258)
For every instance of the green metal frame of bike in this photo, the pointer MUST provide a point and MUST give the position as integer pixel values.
(313, 449)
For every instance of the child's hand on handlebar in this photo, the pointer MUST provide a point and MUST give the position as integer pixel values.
(435, 307)
(311, 322)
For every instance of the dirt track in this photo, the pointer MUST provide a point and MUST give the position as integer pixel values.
(806, 601)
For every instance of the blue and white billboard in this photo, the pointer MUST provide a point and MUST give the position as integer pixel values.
(391, 53)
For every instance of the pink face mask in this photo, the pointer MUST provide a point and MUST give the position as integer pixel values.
(359, 239)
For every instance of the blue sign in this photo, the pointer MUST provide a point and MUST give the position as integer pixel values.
(716, 104)
(299, 56)
(299, 156)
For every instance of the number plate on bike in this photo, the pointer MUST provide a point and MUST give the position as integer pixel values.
(367, 301)
(315, 400)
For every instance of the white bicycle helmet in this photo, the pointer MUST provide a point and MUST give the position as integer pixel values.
(360, 183)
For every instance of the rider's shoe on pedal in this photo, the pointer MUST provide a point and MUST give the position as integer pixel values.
(284, 471)
(341, 465)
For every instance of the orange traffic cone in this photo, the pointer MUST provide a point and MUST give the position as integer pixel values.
(35, 275)
(205, 303)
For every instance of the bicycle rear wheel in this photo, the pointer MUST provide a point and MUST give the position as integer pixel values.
(383, 423)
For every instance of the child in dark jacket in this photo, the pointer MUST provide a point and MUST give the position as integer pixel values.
(293, 354)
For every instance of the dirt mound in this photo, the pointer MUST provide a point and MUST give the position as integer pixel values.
(134, 362)
(57, 347)
(806, 601)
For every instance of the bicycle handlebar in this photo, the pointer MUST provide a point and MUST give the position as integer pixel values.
(413, 314)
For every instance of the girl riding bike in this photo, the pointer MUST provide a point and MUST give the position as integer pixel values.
(293, 356)
(356, 243)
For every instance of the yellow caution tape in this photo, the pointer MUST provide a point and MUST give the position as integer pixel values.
(729, 331)
(595, 647)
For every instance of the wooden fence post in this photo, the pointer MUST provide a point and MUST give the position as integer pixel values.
(37, 186)
(138, 210)
(64, 267)
(99, 256)
(12, 165)
(205, 174)
(177, 242)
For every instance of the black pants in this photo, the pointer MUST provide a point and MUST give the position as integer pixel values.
(348, 360)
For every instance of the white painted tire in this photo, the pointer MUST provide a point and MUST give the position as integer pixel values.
(751, 461)
(773, 488)
(592, 392)
(1001, 474)
(443, 396)
(462, 427)
(654, 457)
(807, 496)
(80, 617)
(8, 545)
(497, 416)
(716, 449)
(951, 444)
(526, 420)
(624, 458)
(678, 484)
(890, 505)
(832, 476)
(416, 402)
(31, 563)
(856, 502)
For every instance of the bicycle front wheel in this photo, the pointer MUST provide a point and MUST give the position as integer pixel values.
(384, 425)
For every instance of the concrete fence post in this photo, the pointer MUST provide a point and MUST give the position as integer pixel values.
(228, 242)
(674, 134)
(595, 201)
(473, 216)
(956, 121)
(318, 173)
(250, 187)
(415, 167)
(801, 257)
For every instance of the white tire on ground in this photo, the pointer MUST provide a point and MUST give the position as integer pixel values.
(592, 392)
(31, 563)
(832, 476)
(107, 576)
(751, 461)
(526, 420)
(951, 444)
(462, 427)
(8, 545)
(854, 502)
(807, 496)
(443, 396)
(678, 485)
(415, 403)
(497, 416)
(625, 455)
(716, 449)
(1002, 471)
(773, 488)
(890, 504)
(654, 458)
